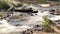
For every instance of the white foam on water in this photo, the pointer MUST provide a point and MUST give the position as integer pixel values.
(5, 27)
(36, 19)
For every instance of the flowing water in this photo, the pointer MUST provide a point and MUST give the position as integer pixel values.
(16, 25)
(23, 23)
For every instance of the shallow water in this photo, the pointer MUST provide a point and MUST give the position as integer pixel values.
(17, 25)
(26, 22)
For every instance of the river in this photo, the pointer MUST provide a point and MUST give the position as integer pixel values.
(26, 22)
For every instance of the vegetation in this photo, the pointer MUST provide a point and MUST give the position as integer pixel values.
(45, 21)
(46, 24)
(33, 1)
(3, 4)
(1, 14)
(49, 26)
(54, 0)
(36, 1)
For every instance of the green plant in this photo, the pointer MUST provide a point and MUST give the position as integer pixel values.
(3, 4)
(45, 21)
(54, 0)
(1, 14)
(46, 24)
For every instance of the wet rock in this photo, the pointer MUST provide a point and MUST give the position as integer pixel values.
(23, 32)
(36, 25)
(18, 25)
(35, 14)
(19, 5)
(38, 28)
(28, 31)
(30, 10)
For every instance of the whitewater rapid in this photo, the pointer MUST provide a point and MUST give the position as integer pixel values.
(19, 25)
(5, 27)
